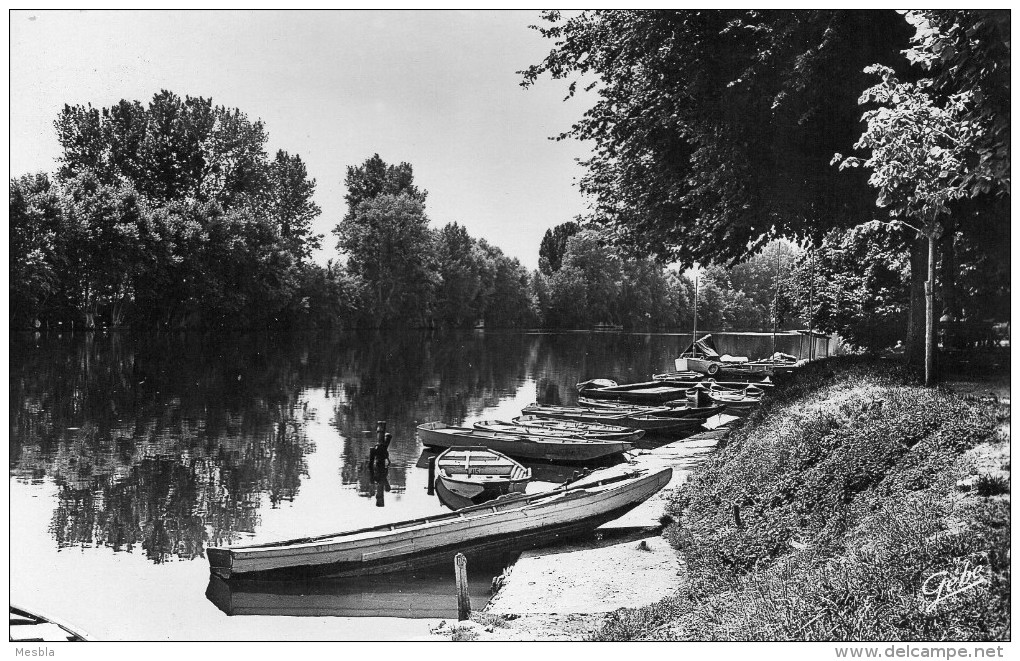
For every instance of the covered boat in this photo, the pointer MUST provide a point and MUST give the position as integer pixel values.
(512, 523)
(546, 448)
(480, 474)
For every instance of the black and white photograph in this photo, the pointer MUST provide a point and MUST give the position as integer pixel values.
(510, 326)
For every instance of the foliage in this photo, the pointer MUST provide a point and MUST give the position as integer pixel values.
(968, 51)
(554, 244)
(857, 285)
(390, 248)
(846, 484)
(918, 148)
(164, 215)
(713, 129)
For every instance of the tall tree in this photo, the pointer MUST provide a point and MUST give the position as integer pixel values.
(375, 177)
(291, 204)
(554, 244)
(389, 246)
(918, 164)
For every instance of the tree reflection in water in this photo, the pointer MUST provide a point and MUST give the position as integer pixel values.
(169, 443)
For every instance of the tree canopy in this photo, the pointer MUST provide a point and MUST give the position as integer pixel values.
(713, 130)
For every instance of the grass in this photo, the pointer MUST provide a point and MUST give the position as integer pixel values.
(846, 484)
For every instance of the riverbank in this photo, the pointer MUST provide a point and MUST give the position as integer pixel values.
(851, 506)
(870, 508)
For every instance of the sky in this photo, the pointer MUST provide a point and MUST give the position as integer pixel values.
(437, 89)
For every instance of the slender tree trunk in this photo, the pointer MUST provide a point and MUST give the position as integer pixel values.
(915, 324)
(929, 325)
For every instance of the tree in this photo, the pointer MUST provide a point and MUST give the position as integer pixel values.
(459, 298)
(390, 247)
(34, 225)
(291, 203)
(375, 177)
(857, 284)
(713, 130)
(554, 244)
(918, 163)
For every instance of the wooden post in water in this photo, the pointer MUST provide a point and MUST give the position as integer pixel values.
(463, 599)
(380, 431)
(431, 488)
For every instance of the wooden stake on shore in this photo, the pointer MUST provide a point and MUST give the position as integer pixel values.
(736, 515)
(431, 488)
(463, 599)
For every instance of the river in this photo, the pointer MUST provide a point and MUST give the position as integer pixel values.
(130, 454)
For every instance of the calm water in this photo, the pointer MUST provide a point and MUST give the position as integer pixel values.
(128, 456)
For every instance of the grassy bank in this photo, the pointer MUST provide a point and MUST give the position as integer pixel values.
(858, 492)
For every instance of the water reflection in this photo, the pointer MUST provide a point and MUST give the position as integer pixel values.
(162, 445)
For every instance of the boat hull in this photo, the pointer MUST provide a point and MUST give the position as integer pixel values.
(510, 526)
(650, 424)
(565, 450)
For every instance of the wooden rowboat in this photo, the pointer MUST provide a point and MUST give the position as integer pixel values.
(590, 430)
(513, 523)
(646, 393)
(480, 474)
(546, 448)
(29, 627)
(679, 408)
(649, 423)
(532, 426)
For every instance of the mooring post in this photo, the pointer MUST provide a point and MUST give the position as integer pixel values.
(380, 431)
(431, 488)
(736, 515)
(463, 599)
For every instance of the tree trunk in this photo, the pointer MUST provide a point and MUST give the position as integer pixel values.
(929, 317)
(916, 325)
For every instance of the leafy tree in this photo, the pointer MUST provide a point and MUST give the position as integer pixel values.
(918, 164)
(98, 246)
(375, 177)
(857, 284)
(713, 129)
(291, 203)
(461, 267)
(389, 246)
(508, 303)
(554, 244)
(35, 222)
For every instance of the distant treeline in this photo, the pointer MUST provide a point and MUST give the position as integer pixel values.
(174, 216)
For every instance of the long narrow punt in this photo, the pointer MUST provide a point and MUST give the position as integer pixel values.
(674, 409)
(512, 523)
(590, 430)
(649, 423)
(545, 448)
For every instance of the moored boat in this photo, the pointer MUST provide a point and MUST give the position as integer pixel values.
(672, 409)
(546, 448)
(646, 393)
(29, 627)
(480, 474)
(624, 434)
(649, 423)
(591, 430)
(512, 523)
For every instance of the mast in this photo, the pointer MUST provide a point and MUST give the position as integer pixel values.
(694, 333)
(775, 302)
(810, 305)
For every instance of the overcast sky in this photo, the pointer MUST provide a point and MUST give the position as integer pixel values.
(435, 89)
